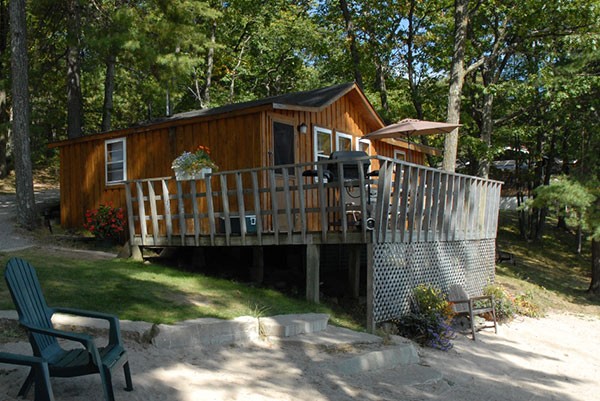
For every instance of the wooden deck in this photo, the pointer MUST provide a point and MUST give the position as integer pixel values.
(297, 205)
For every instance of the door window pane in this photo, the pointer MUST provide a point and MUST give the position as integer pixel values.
(283, 142)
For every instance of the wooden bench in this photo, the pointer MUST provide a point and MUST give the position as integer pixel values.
(464, 305)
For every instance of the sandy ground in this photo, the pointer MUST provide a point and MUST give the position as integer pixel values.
(554, 358)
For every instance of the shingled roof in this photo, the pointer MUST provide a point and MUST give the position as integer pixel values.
(311, 100)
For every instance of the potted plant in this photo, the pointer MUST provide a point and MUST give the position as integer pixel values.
(193, 165)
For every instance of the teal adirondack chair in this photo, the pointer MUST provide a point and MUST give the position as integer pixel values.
(43, 390)
(35, 316)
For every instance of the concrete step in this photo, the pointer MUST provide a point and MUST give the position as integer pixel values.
(205, 332)
(388, 357)
(292, 325)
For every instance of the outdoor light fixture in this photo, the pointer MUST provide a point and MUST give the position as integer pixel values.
(303, 128)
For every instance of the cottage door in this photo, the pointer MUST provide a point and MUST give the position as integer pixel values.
(284, 153)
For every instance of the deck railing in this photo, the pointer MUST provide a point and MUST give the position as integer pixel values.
(320, 202)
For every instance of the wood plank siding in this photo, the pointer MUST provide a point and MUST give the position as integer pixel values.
(239, 137)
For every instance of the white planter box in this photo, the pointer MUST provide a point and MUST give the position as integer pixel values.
(199, 175)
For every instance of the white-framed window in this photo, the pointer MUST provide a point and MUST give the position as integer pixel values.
(343, 141)
(115, 153)
(322, 143)
(364, 145)
(400, 155)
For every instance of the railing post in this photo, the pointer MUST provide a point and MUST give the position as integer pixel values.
(257, 207)
(141, 212)
(130, 216)
(181, 212)
(167, 210)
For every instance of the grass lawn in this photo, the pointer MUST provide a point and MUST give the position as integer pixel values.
(550, 270)
(153, 293)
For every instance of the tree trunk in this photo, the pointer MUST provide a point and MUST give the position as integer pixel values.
(487, 128)
(205, 94)
(234, 70)
(4, 132)
(410, 63)
(352, 38)
(4, 105)
(382, 88)
(457, 76)
(109, 90)
(74, 95)
(595, 284)
(26, 213)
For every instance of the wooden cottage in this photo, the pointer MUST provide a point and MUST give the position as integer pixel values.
(293, 128)
(295, 175)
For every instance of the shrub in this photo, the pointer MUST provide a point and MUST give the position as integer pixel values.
(503, 301)
(106, 222)
(429, 324)
(526, 305)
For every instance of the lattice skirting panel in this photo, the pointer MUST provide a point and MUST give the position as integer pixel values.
(398, 268)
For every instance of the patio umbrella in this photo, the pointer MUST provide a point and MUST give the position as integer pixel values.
(409, 126)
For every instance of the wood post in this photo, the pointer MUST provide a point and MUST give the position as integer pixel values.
(136, 253)
(313, 261)
(257, 271)
(370, 295)
(198, 258)
(354, 270)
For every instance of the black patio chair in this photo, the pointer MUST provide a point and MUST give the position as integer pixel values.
(35, 316)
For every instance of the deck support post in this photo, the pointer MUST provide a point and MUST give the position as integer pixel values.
(312, 260)
(198, 257)
(354, 270)
(370, 295)
(135, 253)
(257, 271)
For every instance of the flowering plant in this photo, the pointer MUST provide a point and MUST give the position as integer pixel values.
(106, 222)
(192, 162)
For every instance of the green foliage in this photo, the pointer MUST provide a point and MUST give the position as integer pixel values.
(429, 324)
(565, 197)
(428, 330)
(526, 305)
(508, 305)
(503, 301)
(540, 63)
(432, 301)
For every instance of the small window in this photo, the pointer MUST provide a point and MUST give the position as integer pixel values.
(322, 143)
(399, 155)
(364, 145)
(343, 141)
(115, 151)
